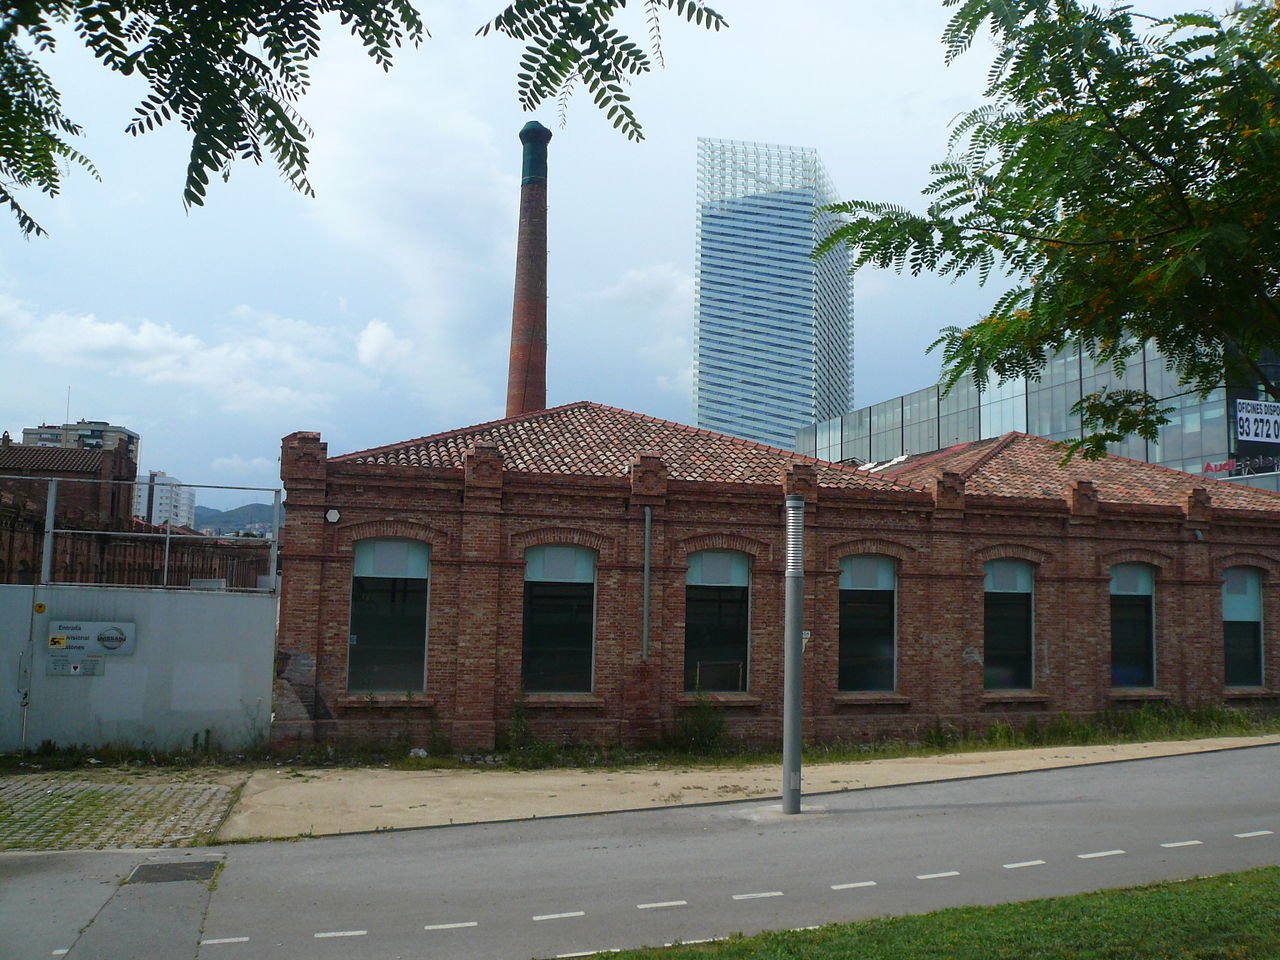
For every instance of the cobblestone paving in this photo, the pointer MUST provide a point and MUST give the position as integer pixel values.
(71, 812)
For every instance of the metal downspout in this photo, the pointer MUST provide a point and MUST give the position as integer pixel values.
(648, 555)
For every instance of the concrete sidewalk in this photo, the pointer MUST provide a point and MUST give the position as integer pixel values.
(287, 802)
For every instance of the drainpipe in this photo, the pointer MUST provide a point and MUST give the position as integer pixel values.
(648, 555)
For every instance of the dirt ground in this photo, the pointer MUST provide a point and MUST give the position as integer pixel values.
(289, 802)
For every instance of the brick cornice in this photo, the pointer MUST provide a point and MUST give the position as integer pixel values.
(1269, 565)
(1133, 555)
(1010, 551)
(879, 545)
(544, 536)
(722, 541)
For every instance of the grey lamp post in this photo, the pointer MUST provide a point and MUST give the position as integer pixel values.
(793, 662)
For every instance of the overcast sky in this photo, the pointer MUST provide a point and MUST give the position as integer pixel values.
(380, 310)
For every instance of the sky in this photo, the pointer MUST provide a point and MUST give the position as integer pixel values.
(380, 309)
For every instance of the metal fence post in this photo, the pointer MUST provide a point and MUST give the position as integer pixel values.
(46, 552)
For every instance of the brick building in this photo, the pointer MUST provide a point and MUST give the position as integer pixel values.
(608, 570)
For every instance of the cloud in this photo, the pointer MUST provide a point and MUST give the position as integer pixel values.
(239, 465)
(262, 362)
(378, 344)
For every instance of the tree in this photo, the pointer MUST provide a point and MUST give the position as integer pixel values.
(1123, 173)
(232, 71)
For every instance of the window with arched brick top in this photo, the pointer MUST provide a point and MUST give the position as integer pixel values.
(387, 640)
(868, 584)
(1133, 619)
(558, 648)
(1008, 625)
(717, 621)
(1242, 626)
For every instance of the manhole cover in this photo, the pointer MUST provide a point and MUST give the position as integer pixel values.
(176, 870)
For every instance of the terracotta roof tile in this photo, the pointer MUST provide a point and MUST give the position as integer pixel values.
(21, 457)
(1020, 465)
(591, 439)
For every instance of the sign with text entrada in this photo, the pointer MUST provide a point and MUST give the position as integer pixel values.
(1258, 421)
(77, 648)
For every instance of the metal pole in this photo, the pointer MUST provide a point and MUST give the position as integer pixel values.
(793, 663)
(46, 553)
(275, 543)
(648, 557)
(168, 533)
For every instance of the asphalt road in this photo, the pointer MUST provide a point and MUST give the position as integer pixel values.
(554, 888)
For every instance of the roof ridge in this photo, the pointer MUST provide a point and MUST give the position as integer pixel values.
(1006, 440)
(460, 431)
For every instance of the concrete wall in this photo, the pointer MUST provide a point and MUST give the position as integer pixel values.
(203, 662)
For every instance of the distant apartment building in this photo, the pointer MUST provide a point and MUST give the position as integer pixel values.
(773, 327)
(88, 434)
(161, 499)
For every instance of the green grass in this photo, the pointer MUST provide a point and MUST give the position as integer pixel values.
(1223, 918)
(699, 739)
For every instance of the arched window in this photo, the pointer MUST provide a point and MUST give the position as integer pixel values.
(559, 619)
(717, 621)
(1242, 626)
(867, 620)
(1008, 632)
(1133, 636)
(387, 642)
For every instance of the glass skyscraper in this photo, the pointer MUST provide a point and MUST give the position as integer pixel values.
(773, 329)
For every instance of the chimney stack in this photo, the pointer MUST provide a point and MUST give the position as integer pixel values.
(527, 373)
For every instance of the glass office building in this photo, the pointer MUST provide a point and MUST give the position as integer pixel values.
(773, 329)
(1199, 433)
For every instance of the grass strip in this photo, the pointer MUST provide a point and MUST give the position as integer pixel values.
(1230, 917)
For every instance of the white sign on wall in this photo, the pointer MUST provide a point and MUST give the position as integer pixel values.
(1258, 421)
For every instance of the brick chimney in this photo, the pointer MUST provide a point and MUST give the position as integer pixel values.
(527, 373)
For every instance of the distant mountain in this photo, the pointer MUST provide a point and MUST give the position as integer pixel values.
(241, 518)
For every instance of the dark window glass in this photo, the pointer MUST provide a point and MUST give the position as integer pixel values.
(558, 619)
(387, 645)
(866, 640)
(1242, 641)
(1007, 633)
(715, 638)
(1132, 641)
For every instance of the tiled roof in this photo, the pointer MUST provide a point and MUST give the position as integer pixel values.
(1020, 465)
(23, 457)
(590, 439)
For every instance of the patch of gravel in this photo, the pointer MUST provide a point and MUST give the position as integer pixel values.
(69, 811)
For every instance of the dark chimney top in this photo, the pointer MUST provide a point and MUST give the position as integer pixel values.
(527, 369)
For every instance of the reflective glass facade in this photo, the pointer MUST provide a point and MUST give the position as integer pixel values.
(1198, 432)
(772, 328)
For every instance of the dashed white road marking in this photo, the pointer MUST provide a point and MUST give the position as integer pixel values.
(562, 916)
(211, 942)
(1182, 843)
(1099, 854)
(682, 943)
(757, 896)
(587, 953)
(663, 904)
(1254, 833)
(61, 952)
(341, 933)
(452, 926)
(1023, 863)
(937, 876)
(853, 886)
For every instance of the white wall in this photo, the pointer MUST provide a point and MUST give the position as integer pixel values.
(204, 661)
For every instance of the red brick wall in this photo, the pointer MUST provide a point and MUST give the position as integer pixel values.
(478, 522)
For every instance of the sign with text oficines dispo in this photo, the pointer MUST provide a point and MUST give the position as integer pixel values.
(79, 648)
(1258, 421)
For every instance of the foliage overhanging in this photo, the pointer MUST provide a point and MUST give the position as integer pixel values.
(232, 72)
(1123, 174)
